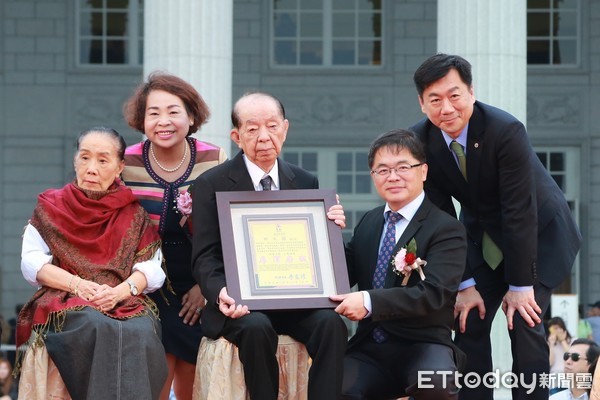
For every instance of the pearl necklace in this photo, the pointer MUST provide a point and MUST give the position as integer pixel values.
(169, 169)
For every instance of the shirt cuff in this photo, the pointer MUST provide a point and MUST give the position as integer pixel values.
(467, 284)
(152, 270)
(519, 288)
(367, 303)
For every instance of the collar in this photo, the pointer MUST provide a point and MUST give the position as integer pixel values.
(256, 174)
(409, 210)
(461, 139)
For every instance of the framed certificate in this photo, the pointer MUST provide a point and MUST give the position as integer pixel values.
(280, 250)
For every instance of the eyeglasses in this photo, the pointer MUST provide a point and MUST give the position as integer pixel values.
(399, 169)
(574, 356)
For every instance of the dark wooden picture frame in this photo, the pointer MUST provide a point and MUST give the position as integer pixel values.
(287, 230)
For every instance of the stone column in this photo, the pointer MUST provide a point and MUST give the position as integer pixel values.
(492, 35)
(193, 40)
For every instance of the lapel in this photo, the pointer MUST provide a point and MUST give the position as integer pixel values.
(475, 141)
(238, 174)
(286, 176)
(440, 151)
(373, 241)
(391, 279)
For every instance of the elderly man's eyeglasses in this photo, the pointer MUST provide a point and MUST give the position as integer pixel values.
(399, 169)
(574, 356)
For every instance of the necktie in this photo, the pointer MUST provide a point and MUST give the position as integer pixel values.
(491, 252)
(460, 154)
(266, 183)
(383, 260)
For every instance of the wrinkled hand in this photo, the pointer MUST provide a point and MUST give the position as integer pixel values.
(523, 302)
(466, 300)
(336, 213)
(106, 297)
(351, 306)
(85, 289)
(228, 308)
(192, 304)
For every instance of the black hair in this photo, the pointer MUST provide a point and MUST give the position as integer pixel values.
(396, 140)
(438, 66)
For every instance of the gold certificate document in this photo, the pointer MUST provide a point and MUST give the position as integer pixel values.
(282, 254)
(280, 251)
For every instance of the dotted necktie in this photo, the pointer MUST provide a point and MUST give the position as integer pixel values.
(491, 252)
(266, 183)
(383, 260)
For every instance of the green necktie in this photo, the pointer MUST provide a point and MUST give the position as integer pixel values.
(462, 160)
(491, 252)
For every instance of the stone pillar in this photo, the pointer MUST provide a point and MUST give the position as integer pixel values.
(193, 40)
(492, 36)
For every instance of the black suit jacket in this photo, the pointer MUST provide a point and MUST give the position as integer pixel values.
(207, 251)
(509, 195)
(422, 310)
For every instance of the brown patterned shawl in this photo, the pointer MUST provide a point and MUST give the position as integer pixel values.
(98, 236)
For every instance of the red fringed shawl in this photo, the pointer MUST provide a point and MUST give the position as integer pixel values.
(98, 236)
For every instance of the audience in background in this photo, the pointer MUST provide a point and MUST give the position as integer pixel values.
(559, 341)
(579, 360)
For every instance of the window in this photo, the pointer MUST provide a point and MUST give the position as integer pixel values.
(345, 170)
(562, 166)
(353, 176)
(326, 33)
(553, 28)
(110, 32)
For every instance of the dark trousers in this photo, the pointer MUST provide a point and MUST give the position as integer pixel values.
(323, 332)
(528, 345)
(399, 368)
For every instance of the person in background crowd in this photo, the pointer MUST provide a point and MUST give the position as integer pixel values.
(167, 110)
(580, 360)
(594, 319)
(90, 250)
(8, 385)
(584, 328)
(11, 355)
(559, 341)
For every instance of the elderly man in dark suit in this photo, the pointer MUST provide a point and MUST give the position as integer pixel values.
(259, 129)
(522, 239)
(403, 344)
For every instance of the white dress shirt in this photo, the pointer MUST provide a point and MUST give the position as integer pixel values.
(35, 253)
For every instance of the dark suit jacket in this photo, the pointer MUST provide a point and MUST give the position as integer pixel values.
(422, 310)
(509, 195)
(207, 256)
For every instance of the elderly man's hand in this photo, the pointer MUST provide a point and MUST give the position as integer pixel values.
(336, 213)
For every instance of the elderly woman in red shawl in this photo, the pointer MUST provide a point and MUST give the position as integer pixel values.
(90, 249)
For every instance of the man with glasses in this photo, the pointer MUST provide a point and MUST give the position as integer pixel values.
(407, 257)
(582, 355)
(522, 239)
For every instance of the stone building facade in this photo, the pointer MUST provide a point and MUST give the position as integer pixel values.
(49, 91)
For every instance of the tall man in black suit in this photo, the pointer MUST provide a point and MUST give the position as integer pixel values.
(259, 129)
(403, 344)
(521, 235)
